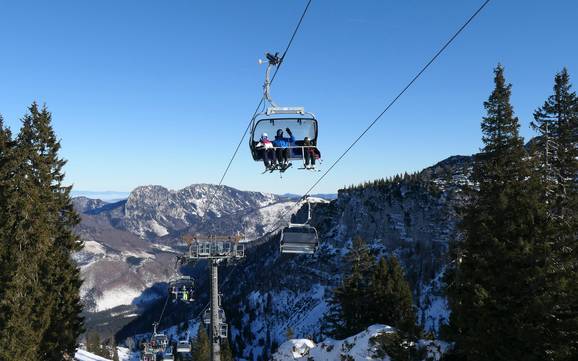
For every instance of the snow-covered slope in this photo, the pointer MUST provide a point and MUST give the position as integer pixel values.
(360, 347)
(82, 355)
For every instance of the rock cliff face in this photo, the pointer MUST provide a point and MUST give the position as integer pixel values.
(413, 217)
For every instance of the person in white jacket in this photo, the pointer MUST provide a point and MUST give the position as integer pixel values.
(268, 149)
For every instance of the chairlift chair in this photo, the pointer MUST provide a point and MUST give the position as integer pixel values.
(223, 330)
(182, 289)
(301, 123)
(300, 238)
(159, 341)
(148, 356)
(183, 346)
(207, 316)
(168, 354)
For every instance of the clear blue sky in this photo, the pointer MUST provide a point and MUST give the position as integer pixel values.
(159, 92)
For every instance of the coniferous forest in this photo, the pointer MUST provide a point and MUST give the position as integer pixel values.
(511, 279)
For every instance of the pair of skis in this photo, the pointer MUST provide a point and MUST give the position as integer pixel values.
(280, 167)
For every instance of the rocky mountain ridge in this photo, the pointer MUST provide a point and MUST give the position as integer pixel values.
(130, 245)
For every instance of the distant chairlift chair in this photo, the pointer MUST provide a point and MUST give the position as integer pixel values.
(300, 238)
(182, 289)
(183, 346)
(168, 354)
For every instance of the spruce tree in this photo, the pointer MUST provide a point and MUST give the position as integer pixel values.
(201, 345)
(7, 165)
(27, 234)
(61, 275)
(492, 290)
(226, 352)
(348, 313)
(556, 152)
(391, 299)
(40, 306)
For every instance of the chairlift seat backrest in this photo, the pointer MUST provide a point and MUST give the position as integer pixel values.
(300, 238)
(301, 126)
(183, 346)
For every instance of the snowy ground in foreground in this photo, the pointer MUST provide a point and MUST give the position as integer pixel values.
(355, 348)
(82, 355)
(124, 354)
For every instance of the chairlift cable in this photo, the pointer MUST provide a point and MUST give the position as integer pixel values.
(297, 27)
(261, 102)
(399, 95)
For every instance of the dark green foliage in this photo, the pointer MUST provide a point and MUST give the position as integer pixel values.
(556, 152)
(114, 349)
(289, 334)
(391, 299)
(500, 263)
(226, 352)
(97, 346)
(201, 346)
(39, 299)
(348, 306)
(397, 347)
(371, 293)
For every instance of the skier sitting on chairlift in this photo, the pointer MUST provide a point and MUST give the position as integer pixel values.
(185, 293)
(268, 151)
(173, 293)
(309, 153)
(282, 144)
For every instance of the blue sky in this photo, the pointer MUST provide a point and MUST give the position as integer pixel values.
(159, 92)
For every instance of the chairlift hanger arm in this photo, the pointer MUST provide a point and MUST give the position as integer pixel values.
(273, 61)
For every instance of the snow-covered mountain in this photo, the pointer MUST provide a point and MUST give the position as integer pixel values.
(154, 211)
(130, 246)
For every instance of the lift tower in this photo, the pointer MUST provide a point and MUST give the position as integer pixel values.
(215, 249)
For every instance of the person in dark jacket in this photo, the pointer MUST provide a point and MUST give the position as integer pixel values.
(309, 153)
(282, 145)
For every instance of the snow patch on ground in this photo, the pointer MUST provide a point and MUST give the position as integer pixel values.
(124, 354)
(164, 248)
(157, 228)
(116, 297)
(93, 247)
(354, 348)
(317, 200)
(82, 355)
(359, 347)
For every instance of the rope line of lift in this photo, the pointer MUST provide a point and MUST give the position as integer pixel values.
(261, 102)
(280, 222)
(164, 308)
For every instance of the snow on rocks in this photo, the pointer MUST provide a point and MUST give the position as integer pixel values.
(294, 349)
(360, 347)
(114, 297)
(82, 355)
(356, 348)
